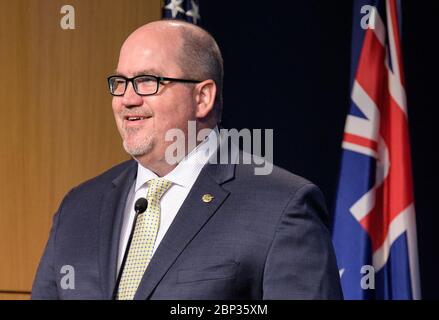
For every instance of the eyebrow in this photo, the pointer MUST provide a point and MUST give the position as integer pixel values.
(152, 71)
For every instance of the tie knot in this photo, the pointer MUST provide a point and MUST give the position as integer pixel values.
(157, 188)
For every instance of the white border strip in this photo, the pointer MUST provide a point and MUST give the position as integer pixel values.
(359, 149)
(405, 221)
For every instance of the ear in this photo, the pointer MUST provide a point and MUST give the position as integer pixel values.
(205, 98)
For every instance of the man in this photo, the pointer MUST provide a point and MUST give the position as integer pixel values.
(206, 230)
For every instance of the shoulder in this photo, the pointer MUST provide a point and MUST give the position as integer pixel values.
(274, 195)
(280, 189)
(277, 179)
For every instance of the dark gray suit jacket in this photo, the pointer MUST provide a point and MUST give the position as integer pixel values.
(261, 237)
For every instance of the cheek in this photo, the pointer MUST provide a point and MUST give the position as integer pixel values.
(177, 117)
(175, 111)
(184, 106)
(171, 110)
(116, 107)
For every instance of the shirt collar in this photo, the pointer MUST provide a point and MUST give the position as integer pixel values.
(188, 169)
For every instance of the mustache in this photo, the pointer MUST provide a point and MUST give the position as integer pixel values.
(134, 112)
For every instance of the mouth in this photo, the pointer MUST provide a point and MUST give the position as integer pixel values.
(135, 121)
(131, 118)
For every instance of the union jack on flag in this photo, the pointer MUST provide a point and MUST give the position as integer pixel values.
(187, 10)
(374, 215)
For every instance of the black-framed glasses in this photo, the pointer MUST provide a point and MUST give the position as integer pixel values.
(144, 85)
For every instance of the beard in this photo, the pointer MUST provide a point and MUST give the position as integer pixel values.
(135, 144)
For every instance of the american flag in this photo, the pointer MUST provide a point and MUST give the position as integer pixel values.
(187, 10)
(374, 230)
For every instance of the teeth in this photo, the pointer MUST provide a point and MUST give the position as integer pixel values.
(135, 118)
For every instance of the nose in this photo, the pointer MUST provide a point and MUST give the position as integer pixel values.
(131, 98)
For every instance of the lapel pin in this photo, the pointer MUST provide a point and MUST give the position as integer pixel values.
(207, 197)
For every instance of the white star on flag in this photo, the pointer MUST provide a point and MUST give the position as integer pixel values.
(175, 7)
(195, 12)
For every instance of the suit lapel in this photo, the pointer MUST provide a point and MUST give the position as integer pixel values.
(110, 224)
(191, 217)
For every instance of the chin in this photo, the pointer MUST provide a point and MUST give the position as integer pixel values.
(137, 149)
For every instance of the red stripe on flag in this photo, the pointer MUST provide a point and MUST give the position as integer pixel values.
(371, 72)
(364, 142)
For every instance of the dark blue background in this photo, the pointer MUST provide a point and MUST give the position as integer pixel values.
(287, 67)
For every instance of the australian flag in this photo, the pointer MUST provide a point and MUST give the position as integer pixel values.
(187, 10)
(374, 230)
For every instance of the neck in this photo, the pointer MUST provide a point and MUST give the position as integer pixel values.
(160, 168)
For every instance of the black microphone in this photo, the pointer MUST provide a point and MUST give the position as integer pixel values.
(140, 207)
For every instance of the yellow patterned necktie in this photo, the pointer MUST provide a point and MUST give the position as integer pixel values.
(142, 244)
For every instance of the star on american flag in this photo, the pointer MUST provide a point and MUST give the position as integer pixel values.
(175, 7)
(188, 10)
(194, 12)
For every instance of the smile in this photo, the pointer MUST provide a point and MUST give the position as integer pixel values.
(135, 118)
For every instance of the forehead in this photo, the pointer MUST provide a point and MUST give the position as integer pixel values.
(150, 52)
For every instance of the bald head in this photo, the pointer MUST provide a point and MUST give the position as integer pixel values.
(193, 48)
